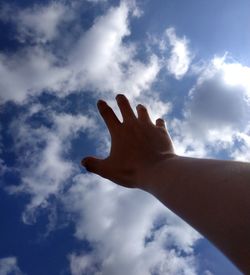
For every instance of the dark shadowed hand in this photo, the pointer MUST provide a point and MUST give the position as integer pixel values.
(136, 144)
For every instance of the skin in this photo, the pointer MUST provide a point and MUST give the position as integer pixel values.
(211, 195)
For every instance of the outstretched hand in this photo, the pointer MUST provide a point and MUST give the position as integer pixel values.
(137, 144)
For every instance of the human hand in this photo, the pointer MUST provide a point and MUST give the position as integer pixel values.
(137, 145)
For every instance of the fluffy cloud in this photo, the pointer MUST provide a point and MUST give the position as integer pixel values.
(9, 265)
(180, 57)
(101, 55)
(83, 264)
(99, 59)
(216, 116)
(30, 72)
(216, 102)
(43, 164)
(124, 233)
(173, 51)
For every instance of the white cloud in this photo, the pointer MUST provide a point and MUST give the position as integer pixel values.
(207, 272)
(234, 74)
(217, 112)
(173, 52)
(43, 164)
(242, 151)
(97, 59)
(218, 104)
(38, 23)
(9, 266)
(180, 58)
(119, 226)
(30, 72)
(103, 62)
(83, 264)
(41, 22)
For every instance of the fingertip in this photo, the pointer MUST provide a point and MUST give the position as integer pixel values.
(140, 107)
(160, 122)
(84, 162)
(101, 103)
(118, 96)
(93, 164)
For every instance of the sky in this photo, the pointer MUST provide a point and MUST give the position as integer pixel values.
(186, 61)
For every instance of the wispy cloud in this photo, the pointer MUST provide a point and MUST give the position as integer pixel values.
(9, 265)
(42, 153)
(36, 24)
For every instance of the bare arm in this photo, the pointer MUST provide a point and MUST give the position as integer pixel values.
(213, 196)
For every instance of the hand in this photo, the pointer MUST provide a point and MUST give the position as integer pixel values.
(137, 145)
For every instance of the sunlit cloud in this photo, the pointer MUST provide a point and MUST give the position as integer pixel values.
(234, 74)
(173, 51)
(180, 58)
(98, 60)
(217, 112)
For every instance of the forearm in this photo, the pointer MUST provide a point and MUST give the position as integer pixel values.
(212, 196)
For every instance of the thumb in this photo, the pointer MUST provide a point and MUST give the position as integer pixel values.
(92, 164)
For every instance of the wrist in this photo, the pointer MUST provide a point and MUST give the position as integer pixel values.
(149, 176)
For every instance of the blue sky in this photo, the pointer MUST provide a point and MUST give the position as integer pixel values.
(188, 62)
